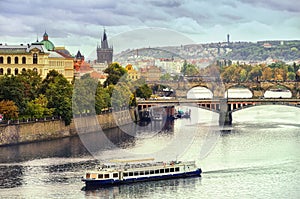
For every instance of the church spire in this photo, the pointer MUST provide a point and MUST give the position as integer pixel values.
(104, 42)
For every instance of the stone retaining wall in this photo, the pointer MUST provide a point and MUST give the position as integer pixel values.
(49, 130)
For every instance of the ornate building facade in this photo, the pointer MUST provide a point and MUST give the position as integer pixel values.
(17, 58)
(104, 52)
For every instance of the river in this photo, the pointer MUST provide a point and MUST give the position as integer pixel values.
(259, 158)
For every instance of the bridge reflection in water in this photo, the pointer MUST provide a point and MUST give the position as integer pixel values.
(224, 106)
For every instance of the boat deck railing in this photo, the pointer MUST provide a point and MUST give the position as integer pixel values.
(115, 167)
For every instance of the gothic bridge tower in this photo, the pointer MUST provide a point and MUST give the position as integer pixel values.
(104, 52)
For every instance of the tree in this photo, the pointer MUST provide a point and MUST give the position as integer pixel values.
(31, 81)
(291, 76)
(102, 99)
(115, 72)
(144, 91)
(267, 74)
(59, 94)
(12, 89)
(166, 77)
(9, 109)
(255, 73)
(122, 96)
(37, 108)
(84, 94)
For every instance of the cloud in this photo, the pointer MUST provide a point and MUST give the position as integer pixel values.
(79, 23)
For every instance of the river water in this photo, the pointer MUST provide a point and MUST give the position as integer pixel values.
(258, 158)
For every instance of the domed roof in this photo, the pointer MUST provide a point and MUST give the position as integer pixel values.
(47, 43)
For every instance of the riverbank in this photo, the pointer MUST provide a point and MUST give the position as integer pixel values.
(54, 129)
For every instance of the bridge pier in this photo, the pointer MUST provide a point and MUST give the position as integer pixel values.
(225, 116)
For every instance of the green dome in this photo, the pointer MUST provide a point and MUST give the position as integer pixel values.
(48, 44)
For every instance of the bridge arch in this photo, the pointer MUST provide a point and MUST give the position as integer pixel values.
(281, 89)
(199, 92)
(248, 92)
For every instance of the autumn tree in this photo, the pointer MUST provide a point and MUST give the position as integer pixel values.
(9, 109)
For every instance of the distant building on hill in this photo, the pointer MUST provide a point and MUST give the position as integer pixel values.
(132, 73)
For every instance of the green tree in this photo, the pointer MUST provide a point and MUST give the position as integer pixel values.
(166, 77)
(37, 108)
(115, 72)
(191, 70)
(84, 94)
(144, 91)
(31, 81)
(291, 76)
(122, 96)
(59, 94)
(255, 73)
(102, 99)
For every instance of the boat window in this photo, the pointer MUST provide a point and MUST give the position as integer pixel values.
(177, 169)
(87, 175)
(161, 171)
(106, 176)
(142, 172)
(156, 171)
(136, 173)
(130, 173)
(125, 174)
(151, 171)
(115, 175)
(100, 176)
(167, 170)
(146, 172)
(94, 175)
(171, 169)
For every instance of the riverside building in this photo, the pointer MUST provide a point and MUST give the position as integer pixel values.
(38, 56)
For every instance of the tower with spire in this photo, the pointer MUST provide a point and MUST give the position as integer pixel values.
(104, 52)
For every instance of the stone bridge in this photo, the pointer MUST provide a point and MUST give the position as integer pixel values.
(219, 88)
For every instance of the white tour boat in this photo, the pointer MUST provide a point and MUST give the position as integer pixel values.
(128, 171)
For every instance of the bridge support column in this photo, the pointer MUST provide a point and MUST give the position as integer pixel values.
(225, 116)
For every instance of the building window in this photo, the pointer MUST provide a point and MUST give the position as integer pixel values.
(9, 60)
(16, 71)
(35, 70)
(23, 70)
(9, 71)
(23, 60)
(1, 71)
(16, 60)
(1, 60)
(35, 58)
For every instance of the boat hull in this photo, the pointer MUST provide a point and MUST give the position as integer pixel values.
(92, 183)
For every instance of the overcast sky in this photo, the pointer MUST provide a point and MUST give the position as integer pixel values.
(78, 24)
